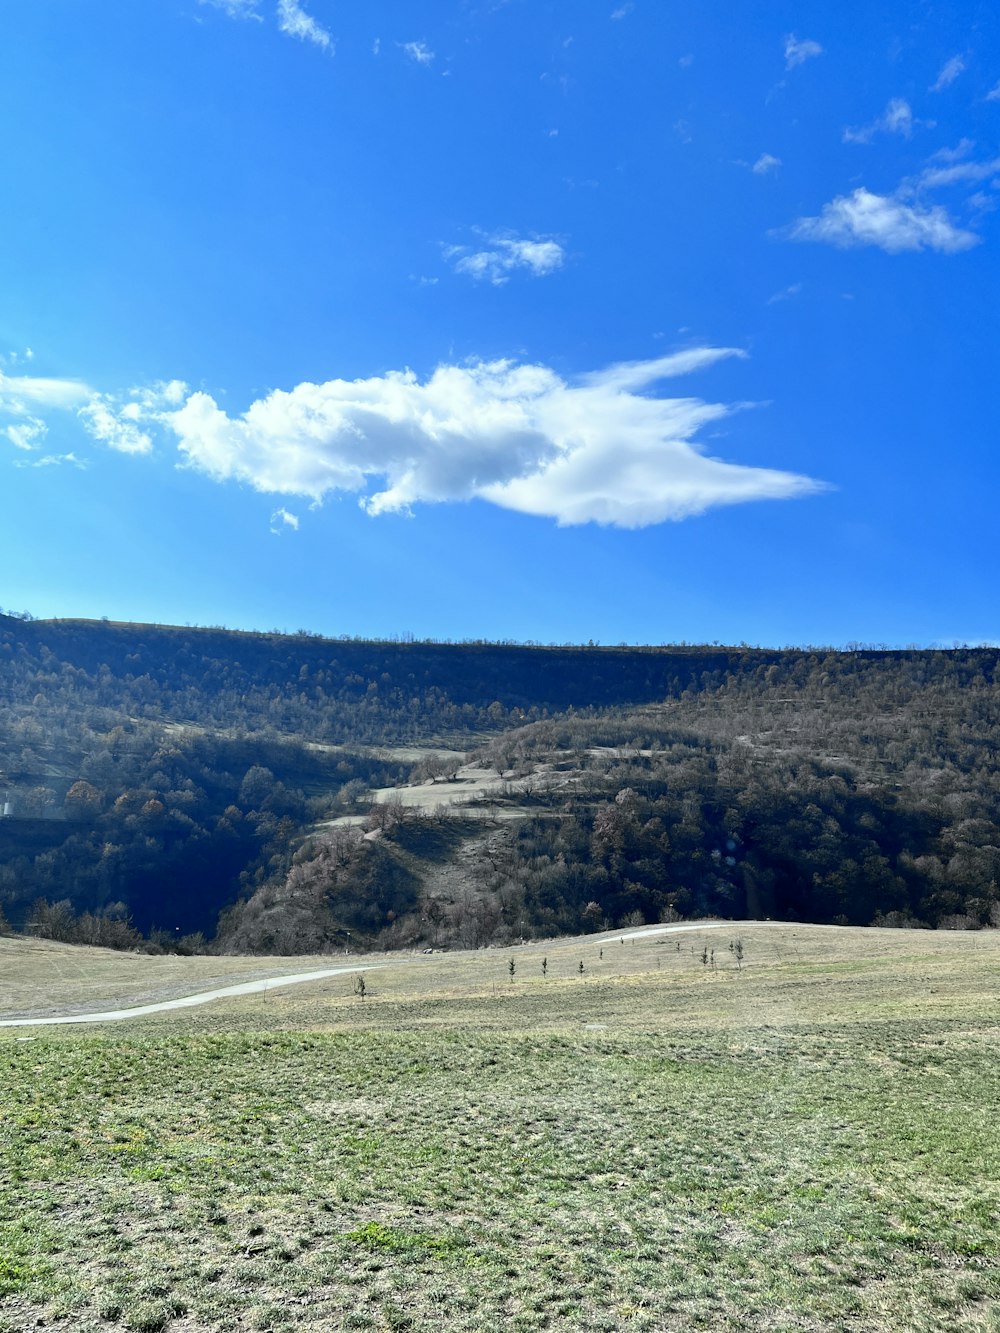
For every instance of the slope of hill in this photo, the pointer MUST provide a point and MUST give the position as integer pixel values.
(155, 777)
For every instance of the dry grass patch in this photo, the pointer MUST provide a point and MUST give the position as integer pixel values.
(800, 1144)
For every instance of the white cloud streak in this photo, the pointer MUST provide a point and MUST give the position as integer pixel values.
(26, 434)
(282, 519)
(419, 52)
(19, 393)
(518, 436)
(235, 9)
(950, 71)
(798, 52)
(120, 428)
(765, 164)
(994, 94)
(505, 255)
(933, 178)
(897, 118)
(292, 19)
(864, 218)
(295, 22)
(786, 294)
(51, 460)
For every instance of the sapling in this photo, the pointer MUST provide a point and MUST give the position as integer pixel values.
(581, 967)
(545, 966)
(360, 989)
(511, 968)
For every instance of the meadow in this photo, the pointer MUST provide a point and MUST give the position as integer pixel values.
(803, 1137)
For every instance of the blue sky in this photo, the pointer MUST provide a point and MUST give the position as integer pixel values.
(470, 318)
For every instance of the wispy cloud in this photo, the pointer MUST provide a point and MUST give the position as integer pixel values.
(623, 10)
(125, 425)
(21, 393)
(933, 178)
(885, 221)
(51, 460)
(897, 118)
(786, 294)
(950, 71)
(120, 428)
(236, 9)
(121, 422)
(26, 434)
(504, 255)
(994, 94)
(602, 449)
(295, 22)
(281, 520)
(797, 51)
(766, 163)
(418, 51)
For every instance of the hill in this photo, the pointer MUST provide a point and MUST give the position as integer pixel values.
(155, 777)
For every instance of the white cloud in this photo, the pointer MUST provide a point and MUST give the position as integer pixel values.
(863, 218)
(295, 22)
(950, 71)
(767, 162)
(623, 10)
(17, 392)
(994, 94)
(933, 178)
(961, 150)
(282, 519)
(119, 427)
(27, 433)
(627, 375)
(159, 395)
(518, 436)
(798, 52)
(418, 51)
(786, 293)
(897, 118)
(236, 9)
(51, 460)
(505, 255)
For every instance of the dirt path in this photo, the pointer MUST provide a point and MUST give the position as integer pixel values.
(187, 1001)
(296, 979)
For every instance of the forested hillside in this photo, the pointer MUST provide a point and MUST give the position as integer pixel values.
(151, 778)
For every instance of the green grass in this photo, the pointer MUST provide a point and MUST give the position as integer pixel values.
(807, 1144)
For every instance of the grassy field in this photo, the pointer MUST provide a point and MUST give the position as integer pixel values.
(803, 1139)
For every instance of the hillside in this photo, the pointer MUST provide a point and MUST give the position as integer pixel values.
(154, 777)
